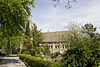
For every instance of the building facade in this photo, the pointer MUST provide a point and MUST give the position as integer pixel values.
(54, 42)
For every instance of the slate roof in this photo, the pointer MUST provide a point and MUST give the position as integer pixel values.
(53, 36)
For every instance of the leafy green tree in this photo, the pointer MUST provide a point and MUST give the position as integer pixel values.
(89, 29)
(86, 50)
(27, 29)
(73, 35)
(16, 44)
(84, 56)
(28, 35)
(13, 15)
(3, 45)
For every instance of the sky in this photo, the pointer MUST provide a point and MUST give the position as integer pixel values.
(50, 18)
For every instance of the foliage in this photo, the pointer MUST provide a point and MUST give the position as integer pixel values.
(36, 40)
(33, 39)
(36, 62)
(27, 43)
(2, 53)
(27, 29)
(46, 49)
(72, 35)
(0, 59)
(82, 57)
(56, 54)
(36, 36)
(3, 43)
(14, 44)
(75, 35)
(89, 29)
(85, 51)
(13, 15)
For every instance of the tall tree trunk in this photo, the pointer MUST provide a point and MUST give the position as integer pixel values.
(8, 48)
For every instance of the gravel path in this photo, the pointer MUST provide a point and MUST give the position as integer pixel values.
(11, 62)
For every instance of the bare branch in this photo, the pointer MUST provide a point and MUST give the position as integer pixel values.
(68, 4)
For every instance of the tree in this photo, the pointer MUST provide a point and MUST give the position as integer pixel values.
(46, 49)
(13, 15)
(89, 29)
(28, 35)
(85, 51)
(36, 36)
(82, 57)
(68, 3)
(27, 30)
(36, 40)
(33, 39)
(72, 34)
(28, 42)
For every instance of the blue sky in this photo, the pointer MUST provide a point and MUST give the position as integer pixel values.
(53, 19)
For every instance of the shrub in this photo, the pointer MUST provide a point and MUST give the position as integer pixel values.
(0, 59)
(2, 53)
(55, 54)
(36, 62)
(82, 57)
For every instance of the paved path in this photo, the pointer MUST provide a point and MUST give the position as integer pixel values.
(11, 62)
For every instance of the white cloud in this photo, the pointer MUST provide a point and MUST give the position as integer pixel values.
(53, 19)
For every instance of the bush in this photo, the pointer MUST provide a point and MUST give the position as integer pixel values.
(2, 53)
(82, 57)
(55, 55)
(0, 59)
(36, 62)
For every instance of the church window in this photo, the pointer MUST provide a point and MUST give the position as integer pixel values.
(55, 46)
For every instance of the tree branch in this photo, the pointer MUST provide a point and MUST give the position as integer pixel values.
(68, 4)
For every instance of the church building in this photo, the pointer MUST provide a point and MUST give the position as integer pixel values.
(54, 42)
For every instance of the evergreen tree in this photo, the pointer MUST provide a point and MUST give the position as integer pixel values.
(36, 36)
(27, 30)
(28, 44)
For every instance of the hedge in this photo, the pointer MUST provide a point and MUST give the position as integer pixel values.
(36, 62)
